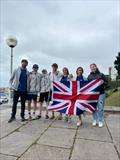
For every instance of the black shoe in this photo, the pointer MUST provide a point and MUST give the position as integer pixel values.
(38, 117)
(46, 117)
(23, 119)
(11, 119)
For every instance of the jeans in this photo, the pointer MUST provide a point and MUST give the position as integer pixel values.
(16, 96)
(98, 115)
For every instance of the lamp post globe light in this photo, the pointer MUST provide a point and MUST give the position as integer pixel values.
(11, 42)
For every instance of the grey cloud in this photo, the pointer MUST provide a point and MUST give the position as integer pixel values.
(72, 33)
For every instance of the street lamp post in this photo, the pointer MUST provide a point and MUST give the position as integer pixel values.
(11, 42)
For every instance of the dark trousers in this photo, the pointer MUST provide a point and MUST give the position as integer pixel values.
(16, 96)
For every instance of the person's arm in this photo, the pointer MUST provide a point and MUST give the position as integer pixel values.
(40, 82)
(28, 83)
(105, 80)
(88, 78)
(59, 74)
(48, 86)
(12, 78)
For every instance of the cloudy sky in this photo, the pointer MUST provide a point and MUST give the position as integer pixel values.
(71, 33)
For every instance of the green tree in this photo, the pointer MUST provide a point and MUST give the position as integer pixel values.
(117, 65)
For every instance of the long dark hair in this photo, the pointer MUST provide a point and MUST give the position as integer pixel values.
(65, 68)
(97, 70)
(78, 69)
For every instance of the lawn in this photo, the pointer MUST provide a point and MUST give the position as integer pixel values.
(113, 99)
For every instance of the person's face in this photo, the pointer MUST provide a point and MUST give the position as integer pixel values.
(35, 69)
(93, 68)
(44, 73)
(24, 64)
(54, 69)
(65, 72)
(79, 72)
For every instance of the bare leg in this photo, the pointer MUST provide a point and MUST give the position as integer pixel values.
(46, 112)
(34, 106)
(60, 116)
(53, 115)
(80, 118)
(29, 109)
(40, 110)
(69, 118)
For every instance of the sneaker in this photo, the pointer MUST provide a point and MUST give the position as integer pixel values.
(100, 124)
(66, 118)
(94, 123)
(69, 119)
(23, 119)
(11, 119)
(46, 117)
(79, 123)
(38, 117)
(34, 115)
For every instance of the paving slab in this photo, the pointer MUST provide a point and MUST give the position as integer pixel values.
(113, 123)
(5, 157)
(7, 128)
(41, 152)
(94, 133)
(64, 124)
(59, 137)
(35, 128)
(92, 150)
(87, 131)
(15, 144)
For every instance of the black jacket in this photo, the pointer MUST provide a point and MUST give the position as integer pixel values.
(99, 75)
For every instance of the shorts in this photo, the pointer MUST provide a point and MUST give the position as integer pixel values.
(45, 96)
(31, 97)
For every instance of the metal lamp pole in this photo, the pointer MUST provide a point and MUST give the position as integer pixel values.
(11, 42)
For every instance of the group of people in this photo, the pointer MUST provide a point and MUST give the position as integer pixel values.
(28, 86)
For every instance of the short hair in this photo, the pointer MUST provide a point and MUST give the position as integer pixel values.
(55, 65)
(79, 68)
(24, 60)
(35, 66)
(65, 68)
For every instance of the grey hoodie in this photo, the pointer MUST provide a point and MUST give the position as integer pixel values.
(34, 82)
(45, 84)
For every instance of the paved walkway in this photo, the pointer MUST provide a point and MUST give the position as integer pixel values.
(57, 140)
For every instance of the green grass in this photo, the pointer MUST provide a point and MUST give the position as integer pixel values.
(113, 99)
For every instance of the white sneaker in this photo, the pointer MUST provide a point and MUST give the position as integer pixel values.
(34, 116)
(79, 123)
(100, 124)
(94, 123)
(69, 119)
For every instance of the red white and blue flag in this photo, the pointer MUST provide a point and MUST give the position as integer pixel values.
(75, 97)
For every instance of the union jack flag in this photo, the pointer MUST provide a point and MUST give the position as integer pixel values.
(75, 97)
